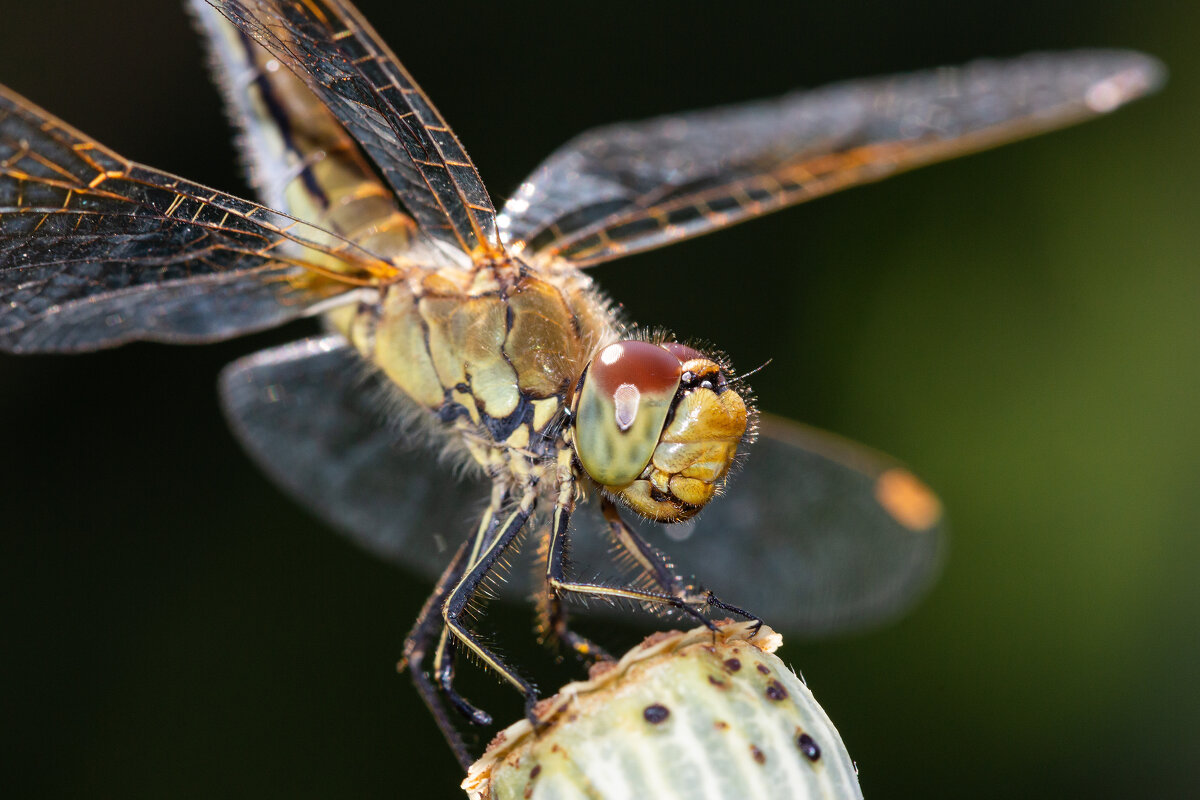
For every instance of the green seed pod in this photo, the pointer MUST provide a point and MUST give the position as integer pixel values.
(683, 715)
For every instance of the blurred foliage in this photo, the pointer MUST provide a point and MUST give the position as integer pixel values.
(1021, 326)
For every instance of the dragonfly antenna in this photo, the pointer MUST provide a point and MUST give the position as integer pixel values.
(751, 372)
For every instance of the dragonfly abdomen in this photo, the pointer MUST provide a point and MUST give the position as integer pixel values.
(300, 158)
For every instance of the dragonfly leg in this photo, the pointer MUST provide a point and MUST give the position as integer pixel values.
(656, 564)
(660, 567)
(445, 653)
(493, 546)
(558, 583)
(416, 647)
(555, 618)
(652, 560)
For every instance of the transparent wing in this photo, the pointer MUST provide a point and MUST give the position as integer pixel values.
(96, 250)
(815, 534)
(312, 415)
(335, 51)
(298, 156)
(634, 186)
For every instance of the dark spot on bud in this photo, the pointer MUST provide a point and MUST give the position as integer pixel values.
(763, 669)
(721, 725)
(732, 664)
(776, 692)
(757, 754)
(715, 681)
(808, 747)
(537, 770)
(656, 713)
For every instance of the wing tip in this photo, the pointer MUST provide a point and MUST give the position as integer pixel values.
(1132, 75)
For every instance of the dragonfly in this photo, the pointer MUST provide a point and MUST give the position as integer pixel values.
(480, 335)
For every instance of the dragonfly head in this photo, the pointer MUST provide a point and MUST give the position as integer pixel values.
(657, 426)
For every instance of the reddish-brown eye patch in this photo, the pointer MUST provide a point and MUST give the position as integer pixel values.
(646, 367)
(681, 351)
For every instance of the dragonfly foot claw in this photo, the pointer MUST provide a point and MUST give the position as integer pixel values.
(713, 601)
(531, 712)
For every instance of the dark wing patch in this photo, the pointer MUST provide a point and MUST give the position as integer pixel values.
(635, 186)
(335, 51)
(96, 250)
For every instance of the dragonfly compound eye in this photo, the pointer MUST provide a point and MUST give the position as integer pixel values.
(623, 406)
(658, 427)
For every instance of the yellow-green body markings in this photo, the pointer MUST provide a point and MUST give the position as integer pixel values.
(494, 351)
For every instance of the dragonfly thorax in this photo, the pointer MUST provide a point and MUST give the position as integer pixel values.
(492, 352)
(657, 426)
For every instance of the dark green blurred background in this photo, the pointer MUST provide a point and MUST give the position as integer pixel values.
(1020, 326)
